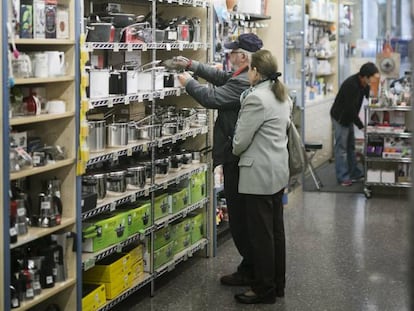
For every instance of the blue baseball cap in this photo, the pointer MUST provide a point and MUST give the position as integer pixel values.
(246, 41)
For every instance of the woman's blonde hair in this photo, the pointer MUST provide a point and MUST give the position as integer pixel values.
(266, 64)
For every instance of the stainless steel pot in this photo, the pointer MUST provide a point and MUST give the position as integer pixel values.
(136, 176)
(162, 167)
(117, 134)
(148, 170)
(116, 182)
(95, 183)
(133, 133)
(169, 128)
(187, 159)
(176, 162)
(96, 137)
(149, 131)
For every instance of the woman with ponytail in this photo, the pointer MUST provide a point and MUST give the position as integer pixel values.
(260, 141)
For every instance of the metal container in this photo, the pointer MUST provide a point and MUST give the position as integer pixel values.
(136, 176)
(116, 182)
(149, 131)
(98, 83)
(100, 32)
(95, 183)
(96, 137)
(117, 134)
(187, 159)
(162, 167)
(169, 128)
(176, 162)
(148, 170)
(133, 133)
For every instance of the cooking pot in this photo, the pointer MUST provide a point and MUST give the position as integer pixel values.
(118, 82)
(187, 159)
(149, 131)
(137, 33)
(100, 32)
(176, 162)
(136, 177)
(132, 82)
(95, 183)
(116, 182)
(148, 170)
(146, 75)
(96, 137)
(169, 128)
(133, 133)
(162, 167)
(119, 20)
(98, 83)
(117, 134)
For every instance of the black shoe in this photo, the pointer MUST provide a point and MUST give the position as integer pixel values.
(235, 279)
(246, 298)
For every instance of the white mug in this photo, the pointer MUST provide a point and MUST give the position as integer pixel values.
(55, 106)
(40, 64)
(56, 61)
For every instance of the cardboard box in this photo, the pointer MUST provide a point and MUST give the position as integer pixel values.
(198, 227)
(62, 22)
(26, 20)
(39, 19)
(180, 200)
(183, 227)
(163, 255)
(373, 175)
(109, 269)
(163, 236)
(121, 284)
(182, 242)
(50, 19)
(162, 206)
(137, 270)
(388, 176)
(93, 296)
(138, 218)
(198, 187)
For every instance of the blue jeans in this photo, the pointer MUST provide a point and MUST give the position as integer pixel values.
(345, 159)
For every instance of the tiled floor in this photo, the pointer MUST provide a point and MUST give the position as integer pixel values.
(343, 253)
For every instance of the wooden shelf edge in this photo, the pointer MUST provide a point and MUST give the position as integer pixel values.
(23, 81)
(41, 169)
(40, 118)
(46, 293)
(36, 232)
(37, 41)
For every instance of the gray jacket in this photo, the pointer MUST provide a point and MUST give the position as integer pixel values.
(261, 141)
(223, 96)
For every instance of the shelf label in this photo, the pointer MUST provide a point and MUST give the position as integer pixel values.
(127, 100)
(129, 152)
(90, 263)
(195, 47)
(178, 93)
(146, 192)
(180, 2)
(162, 94)
(165, 186)
(204, 4)
(171, 267)
(115, 156)
(168, 47)
(174, 139)
(112, 207)
(177, 180)
(119, 248)
(140, 97)
(144, 47)
(159, 143)
(194, 3)
(150, 96)
(129, 48)
(116, 47)
(180, 46)
(133, 198)
(110, 102)
(144, 147)
(169, 1)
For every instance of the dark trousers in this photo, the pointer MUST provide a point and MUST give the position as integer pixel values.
(237, 217)
(267, 236)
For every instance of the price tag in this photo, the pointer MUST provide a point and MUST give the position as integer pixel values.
(195, 47)
(110, 102)
(168, 47)
(180, 46)
(115, 156)
(90, 48)
(185, 213)
(162, 94)
(194, 134)
(194, 3)
(21, 212)
(144, 47)
(150, 96)
(145, 148)
(133, 198)
(180, 2)
(174, 139)
(142, 236)
(13, 231)
(129, 152)
(30, 292)
(112, 207)
(178, 93)
(204, 4)
(185, 257)
(146, 192)
(49, 280)
(129, 48)
(165, 186)
(159, 143)
(127, 100)
(140, 97)
(169, 1)
(116, 47)
(171, 267)
(177, 180)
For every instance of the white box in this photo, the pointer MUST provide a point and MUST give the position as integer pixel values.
(249, 6)
(39, 19)
(62, 23)
(373, 175)
(388, 177)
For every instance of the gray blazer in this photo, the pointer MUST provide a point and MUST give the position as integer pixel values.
(260, 141)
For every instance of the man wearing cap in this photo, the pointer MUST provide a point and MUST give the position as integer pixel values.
(224, 96)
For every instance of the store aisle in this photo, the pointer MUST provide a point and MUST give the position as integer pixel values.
(343, 253)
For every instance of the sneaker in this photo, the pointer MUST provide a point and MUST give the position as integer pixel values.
(358, 179)
(346, 183)
(235, 279)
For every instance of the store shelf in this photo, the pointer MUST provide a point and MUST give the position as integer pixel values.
(44, 41)
(180, 257)
(142, 145)
(389, 134)
(177, 177)
(89, 259)
(378, 159)
(39, 118)
(110, 203)
(41, 169)
(46, 294)
(195, 3)
(36, 233)
(397, 184)
(143, 280)
(389, 108)
(248, 16)
(25, 81)
(115, 46)
(162, 222)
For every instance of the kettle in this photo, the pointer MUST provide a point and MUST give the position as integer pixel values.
(32, 104)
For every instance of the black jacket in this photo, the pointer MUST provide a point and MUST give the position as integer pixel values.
(223, 96)
(348, 101)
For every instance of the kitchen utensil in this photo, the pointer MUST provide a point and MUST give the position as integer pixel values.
(117, 134)
(136, 177)
(116, 182)
(146, 75)
(97, 136)
(118, 82)
(56, 63)
(95, 183)
(137, 33)
(22, 66)
(169, 128)
(55, 106)
(31, 105)
(98, 83)
(40, 64)
(162, 167)
(132, 132)
(100, 32)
